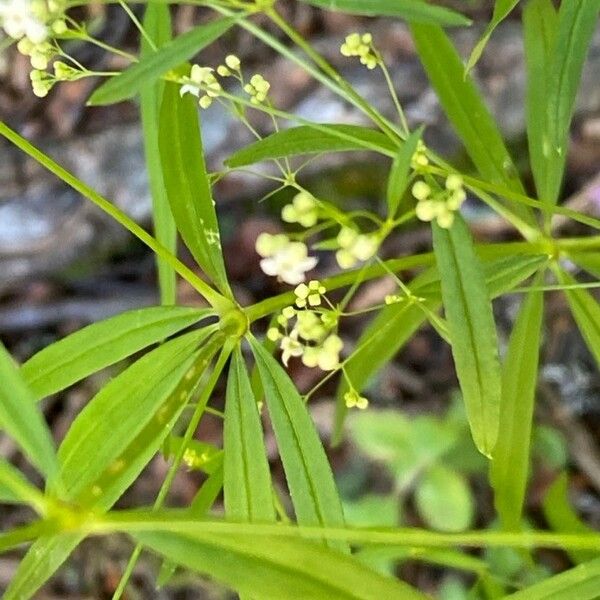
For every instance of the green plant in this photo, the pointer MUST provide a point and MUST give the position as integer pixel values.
(256, 550)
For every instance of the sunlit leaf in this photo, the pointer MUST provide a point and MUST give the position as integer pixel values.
(247, 480)
(307, 470)
(21, 419)
(102, 344)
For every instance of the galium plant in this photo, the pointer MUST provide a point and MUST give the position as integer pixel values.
(156, 403)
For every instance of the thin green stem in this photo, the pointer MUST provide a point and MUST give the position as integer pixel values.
(138, 25)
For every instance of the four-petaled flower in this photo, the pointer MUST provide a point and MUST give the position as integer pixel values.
(284, 259)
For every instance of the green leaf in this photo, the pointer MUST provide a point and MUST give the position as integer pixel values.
(247, 480)
(307, 470)
(502, 9)
(467, 111)
(121, 410)
(153, 66)
(201, 504)
(398, 179)
(539, 34)
(157, 24)
(21, 419)
(187, 184)
(510, 465)
(472, 330)
(101, 491)
(577, 22)
(264, 567)
(415, 11)
(561, 517)
(444, 500)
(14, 488)
(396, 324)
(589, 261)
(581, 583)
(102, 344)
(586, 311)
(307, 139)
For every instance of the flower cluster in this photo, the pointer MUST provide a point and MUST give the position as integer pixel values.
(257, 89)
(303, 210)
(355, 247)
(33, 24)
(201, 79)
(307, 333)
(439, 206)
(232, 66)
(32, 20)
(419, 158)
(283, 258)
(361, 46)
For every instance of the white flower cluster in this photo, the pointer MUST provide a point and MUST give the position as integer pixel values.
(361, 46)
(201, 79)
(33, 24)
(355, 247)
(311, 336)
(283, 258)
(439, 206)
(257, 89)
(353, 399)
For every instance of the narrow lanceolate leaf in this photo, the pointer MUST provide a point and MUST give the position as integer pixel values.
(395, 324)
(588, 261)
(307, 470)
(502, 9)
(312, 140)
(415, 11)
(561, 517)
(398, 179)
(14, 488)
(586, 311)
(577, 22)
(539, 33)
(275, 567)
(157, 23)
(101, 491)
(472, 330)
(102, 344)
(155, 65)
(247, 481)
(187, 184)
(510, 464)
(466, 110)
(582, 582)
(121, 410)
(21, 419)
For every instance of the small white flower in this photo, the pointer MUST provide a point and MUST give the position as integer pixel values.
(284, 259)
(291, 347)
(21, 19)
